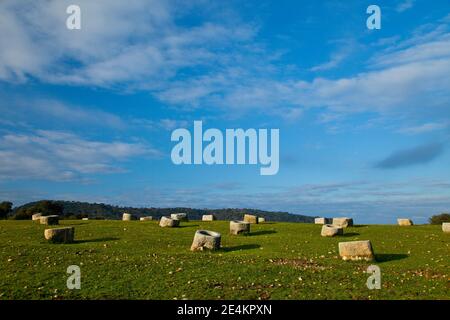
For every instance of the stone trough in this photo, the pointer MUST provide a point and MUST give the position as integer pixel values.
(208, 217)
(238, 227)
(168, 222)
(329, 230)
(261, 220)
(205, 239)
(179, 216)
(356, 250)
(446, 227)
(250, 218)
(343, 222)
(49, 220)
(36, 216)
(323, 221)
(126, 217)
(148, 218)
(404, 222)
(60, 235)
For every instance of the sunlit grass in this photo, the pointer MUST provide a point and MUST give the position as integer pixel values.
(140, 260)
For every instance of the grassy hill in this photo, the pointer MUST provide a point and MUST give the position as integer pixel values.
(140, 260)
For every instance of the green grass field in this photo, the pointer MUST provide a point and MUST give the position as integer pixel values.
(140, 260)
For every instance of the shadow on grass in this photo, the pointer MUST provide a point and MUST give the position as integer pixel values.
(261, 233)
(188, 226)
(241, 247)
(105, 239)
(385, 257)
(358, 226)
(349, 234)
(74, 224)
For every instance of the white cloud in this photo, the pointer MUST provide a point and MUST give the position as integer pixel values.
(138, 44)
(30, 111)
(55, 155)
(407, 86)
(399, 88)
(334, 61)
(141, 46)
(437, 48)
(70, 113)
(426, 127)
(162, 124)
(407, 78)
(404, 5)
(346, 47)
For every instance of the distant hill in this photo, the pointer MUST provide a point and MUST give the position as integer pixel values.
(78, 210)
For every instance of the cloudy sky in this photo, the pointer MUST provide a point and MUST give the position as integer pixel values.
(364, 115)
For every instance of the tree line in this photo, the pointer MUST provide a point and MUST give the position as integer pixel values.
(79, 210)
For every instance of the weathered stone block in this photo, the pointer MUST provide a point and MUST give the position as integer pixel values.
(331, 231)
(404, 222)
(179, 216)
(205, 239)
(356, 250)
(343, 222)
(49, 220)
(126, 217)
(60, 235)
(238, 227)
(169, 222)
(208, 217)
(36, 216)
(323, 221)
(250, 218)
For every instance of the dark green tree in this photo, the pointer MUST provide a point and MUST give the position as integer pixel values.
(46, 207)
(439, 218)
(5, 209)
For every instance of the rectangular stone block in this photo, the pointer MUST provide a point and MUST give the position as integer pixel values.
(49, 220)
(322, 221)
(356, 250)
(250, 218)
(343, 222)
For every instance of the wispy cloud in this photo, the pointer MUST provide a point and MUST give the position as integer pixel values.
(413, 156)
(233, 70)
(425, 128)
(161, 124)
(400, 79)
(404, 5)
(416, 49)
(59, 156)
(346, 47)
(42, 110)
(334, 61)
(139, 44)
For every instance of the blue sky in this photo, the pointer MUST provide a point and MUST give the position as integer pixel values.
(364, 115)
